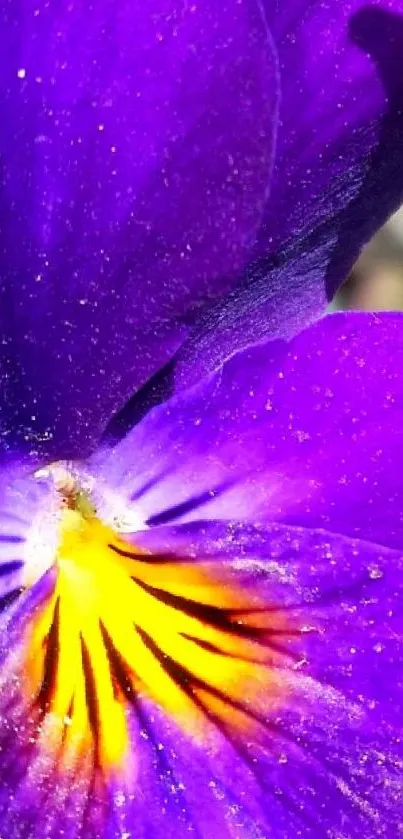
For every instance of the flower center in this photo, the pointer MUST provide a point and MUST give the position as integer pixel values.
(123, 627)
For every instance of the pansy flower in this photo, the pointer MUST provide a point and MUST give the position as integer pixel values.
(201, 619)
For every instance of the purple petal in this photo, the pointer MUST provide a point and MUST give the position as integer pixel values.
(136, 152)
(335, 753)
(321, 755)
(337, 174)
(23, 499)
(308, 432)
(339, 122)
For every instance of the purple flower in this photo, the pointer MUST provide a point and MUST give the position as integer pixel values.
(203, 623)
(200, 623)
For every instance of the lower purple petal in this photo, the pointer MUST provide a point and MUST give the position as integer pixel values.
(321, 755)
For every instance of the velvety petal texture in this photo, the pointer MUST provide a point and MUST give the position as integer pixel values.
(339, 121)
(307, 432)
(201, 628)
(337, 172)
(281, 725)
(331, 756)
(136, 145)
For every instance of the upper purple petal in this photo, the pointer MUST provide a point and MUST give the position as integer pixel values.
(308, 433)
(337, 173)
(135, 148)
(339, 121)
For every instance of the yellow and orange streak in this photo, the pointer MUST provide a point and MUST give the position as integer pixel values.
(122, 624)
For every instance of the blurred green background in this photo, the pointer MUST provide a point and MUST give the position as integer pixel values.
(376, 281)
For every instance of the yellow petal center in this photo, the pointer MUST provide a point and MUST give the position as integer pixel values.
(123, 626)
